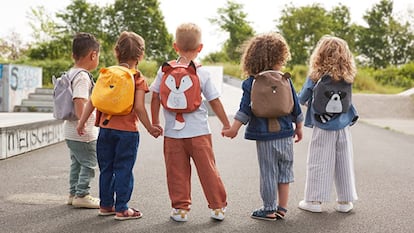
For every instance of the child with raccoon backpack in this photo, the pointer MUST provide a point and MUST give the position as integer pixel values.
(330, 155)
(274, 136)
(118, 140)
(190, 137)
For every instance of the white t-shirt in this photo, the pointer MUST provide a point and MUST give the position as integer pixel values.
(81, 87)
(196, 123)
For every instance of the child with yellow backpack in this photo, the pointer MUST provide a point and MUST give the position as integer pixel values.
(118, 138)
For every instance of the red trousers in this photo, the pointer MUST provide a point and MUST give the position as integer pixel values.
(177, 154)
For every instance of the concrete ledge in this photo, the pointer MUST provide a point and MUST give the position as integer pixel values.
(23, 132)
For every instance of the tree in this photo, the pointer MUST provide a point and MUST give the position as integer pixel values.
(341, 25)
(232, 19)
(81, 16)
(385, 41)
(145, 18)
(303, 27)
(12, 47)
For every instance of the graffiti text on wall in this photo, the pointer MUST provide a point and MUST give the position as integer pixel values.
(23, 140)
(23, 77)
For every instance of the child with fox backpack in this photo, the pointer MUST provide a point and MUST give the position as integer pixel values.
(85, 52)
(192, 140)
(274, 136)
(118, 140)
(330, 155)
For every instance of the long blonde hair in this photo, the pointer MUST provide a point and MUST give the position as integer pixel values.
(332, 57)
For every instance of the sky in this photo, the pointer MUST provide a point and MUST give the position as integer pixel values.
(260, 13)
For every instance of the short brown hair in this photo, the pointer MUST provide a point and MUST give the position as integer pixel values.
(83, 43)
(188, 37)
(263, 52)
(129, 46)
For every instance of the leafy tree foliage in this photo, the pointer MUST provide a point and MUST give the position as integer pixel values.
(232, 19)
(145, 18)
(341, 25)
(142, 16)
(12, 48)
(385, 41)
(303, 27)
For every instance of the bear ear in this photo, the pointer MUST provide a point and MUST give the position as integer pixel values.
(287, 75)
(166, 67)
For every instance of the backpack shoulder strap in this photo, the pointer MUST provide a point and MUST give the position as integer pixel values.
(76, 71)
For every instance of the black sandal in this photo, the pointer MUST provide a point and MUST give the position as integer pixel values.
(264, 215)
(280, 212)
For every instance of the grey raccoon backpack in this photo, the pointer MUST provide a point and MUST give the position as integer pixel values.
(63, 107)
(271, 94)
(331, 96)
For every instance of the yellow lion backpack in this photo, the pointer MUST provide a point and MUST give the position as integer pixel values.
(114, 91)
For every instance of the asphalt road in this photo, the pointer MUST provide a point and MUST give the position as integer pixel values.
(34, 186)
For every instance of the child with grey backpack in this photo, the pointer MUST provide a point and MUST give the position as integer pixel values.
(85, 52)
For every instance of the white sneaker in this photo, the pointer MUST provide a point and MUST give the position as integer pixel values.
(70, 199)
(218, 214)
(310, 206)
(86, 202)
(344, 207)
(179, 215)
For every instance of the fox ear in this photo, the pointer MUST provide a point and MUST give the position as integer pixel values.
(192, 67)
(166, 67)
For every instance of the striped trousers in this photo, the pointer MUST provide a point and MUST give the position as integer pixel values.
(330, 160)
(276, 166)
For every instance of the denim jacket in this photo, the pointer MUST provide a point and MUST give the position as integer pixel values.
(257, 128)
(338, 121)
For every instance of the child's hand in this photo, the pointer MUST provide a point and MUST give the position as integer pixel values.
(80, 129)
(229, 133)
(155, 131)
(298, 134)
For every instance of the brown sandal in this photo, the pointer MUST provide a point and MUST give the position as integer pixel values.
(106, 211)
(126, 214)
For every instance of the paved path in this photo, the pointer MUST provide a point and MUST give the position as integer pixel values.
(34, 190)
(34, 187)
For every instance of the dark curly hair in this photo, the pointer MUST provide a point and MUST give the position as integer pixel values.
(264, 52)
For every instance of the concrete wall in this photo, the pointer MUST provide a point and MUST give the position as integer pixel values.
(16, 83)
(20, 137)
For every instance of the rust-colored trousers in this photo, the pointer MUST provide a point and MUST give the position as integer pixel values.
(178, 154)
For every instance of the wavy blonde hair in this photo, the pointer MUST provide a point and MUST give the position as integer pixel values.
(332, 57)
(264, 52)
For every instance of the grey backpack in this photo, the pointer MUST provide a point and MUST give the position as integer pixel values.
(63, 107)
(331, 96)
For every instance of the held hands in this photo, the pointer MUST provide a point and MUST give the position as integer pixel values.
(156, 130)
(229, 132)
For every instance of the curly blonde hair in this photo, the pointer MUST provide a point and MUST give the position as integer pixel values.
(264, 52)
(332, 57)
(188, 37)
